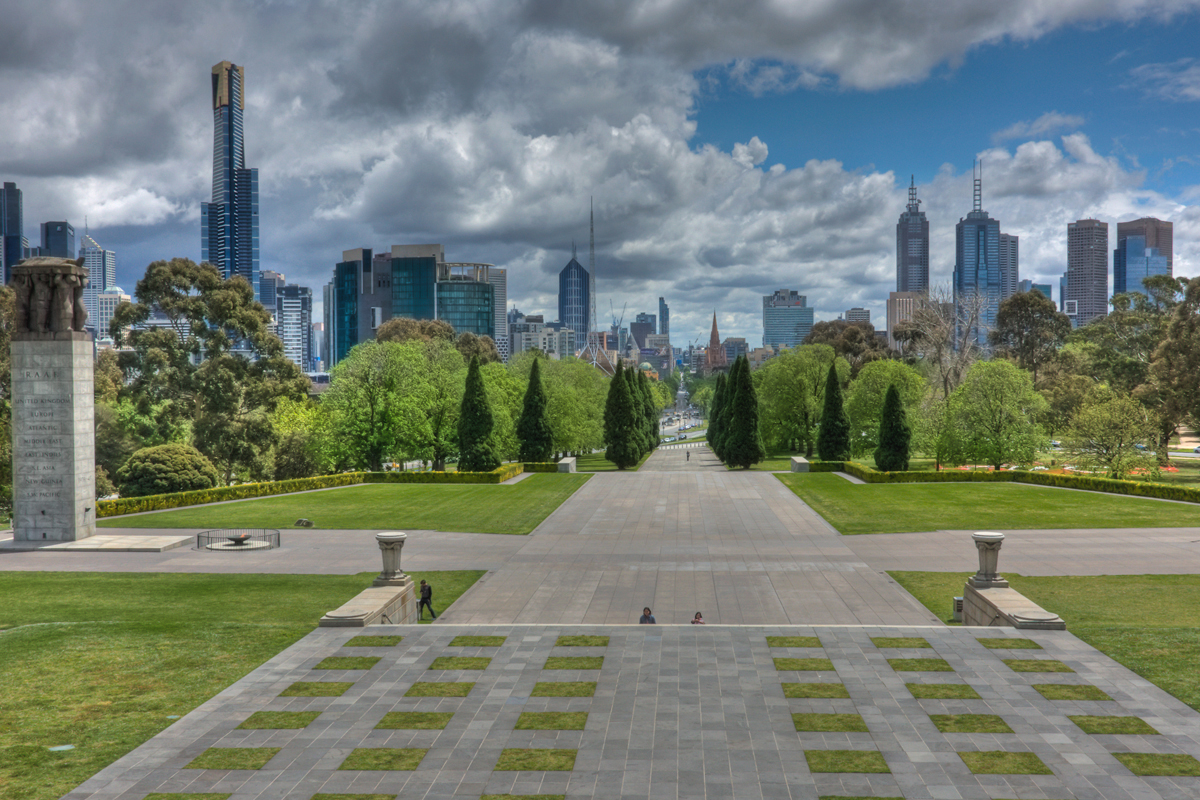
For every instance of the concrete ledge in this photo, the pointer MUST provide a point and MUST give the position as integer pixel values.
(799, 464)
(567, 464)
(1006, 608)
(378, 605)
(107, 543)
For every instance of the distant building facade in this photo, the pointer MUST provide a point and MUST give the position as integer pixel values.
(12, 229)
(1152, 252)
(900, 308)
(1087, 268)
(101, 265)
(574, 298)
(984, 270)
(1030, 286)
(664, 318)
(787, 319)
(106, 305)
(912, 246)
(714, 354)
(857, 315)
(293, 325)
(58, 240)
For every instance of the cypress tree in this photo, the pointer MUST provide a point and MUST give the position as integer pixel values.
(610, 405)
(476, 451)
(714, 410)
(743, 441)
(833, 439)
(894, 434)
(727, 409)
(634, 379)
(650, 412)
(533, 428)
(623, 437)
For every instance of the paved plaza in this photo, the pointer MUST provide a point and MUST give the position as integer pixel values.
(675, 712)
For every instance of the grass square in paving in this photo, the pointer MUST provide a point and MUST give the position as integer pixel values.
(819, 690)
(829, 723)
(316, 689)
(942, 691)
(535, 760)
(970, 723)
(440, 689)
(1118, 725)
(920, 665)
(1007, 643)
(581, 641)
(348, 662)
(1169, 764)
(460, 662)
(564, 689)
(374, 641)
(414, 721)
(803, 664)
(870, 761)
(1070, 691)
(233, 758)
(477, 641)
(279, 720)
(552, 721)
(999, 762)
(574, 662)
(389, 758)
(899, 641)
(1036, 665)
(793, 641)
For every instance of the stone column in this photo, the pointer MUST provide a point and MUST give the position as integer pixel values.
(390, 545)
(53, 428)
(988, 544)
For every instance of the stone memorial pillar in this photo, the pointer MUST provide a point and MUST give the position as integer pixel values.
(988, 544)
(390, 545)
(54, 441)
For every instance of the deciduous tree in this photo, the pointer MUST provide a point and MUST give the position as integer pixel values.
(1030, 328)
(996, 409)
(1111, 431)
(865, 400)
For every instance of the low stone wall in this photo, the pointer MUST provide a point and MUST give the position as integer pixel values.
(1006, 608)
(378, 605)
(799, 464)
(567, 464)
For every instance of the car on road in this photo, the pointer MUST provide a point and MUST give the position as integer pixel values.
(1197, 450)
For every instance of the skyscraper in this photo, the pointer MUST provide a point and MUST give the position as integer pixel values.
(12, 229)
(647, 319)
(912, 246)
(787, 319)
(1087, 268)
(857, 315)
(58, 239)
(498, 278)
(977, 266)
(1155, 234)
(574, 298)
(269, 284)
(293, 324)
(229, 224)
(664, 318)
(1010, 264)
(101, 265)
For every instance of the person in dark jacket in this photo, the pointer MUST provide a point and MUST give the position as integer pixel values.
(426, 600)
(647, 617)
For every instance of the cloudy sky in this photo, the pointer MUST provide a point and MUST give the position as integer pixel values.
(732, 147)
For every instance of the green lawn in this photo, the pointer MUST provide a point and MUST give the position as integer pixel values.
(776, 461)
(106, 661)
(1148, 623)
(468, 508)
(596, 462)
(907, 507)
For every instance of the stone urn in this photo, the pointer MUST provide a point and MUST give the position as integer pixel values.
(988, 544)
(390, 545)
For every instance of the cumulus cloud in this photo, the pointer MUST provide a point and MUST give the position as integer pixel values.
(1178, 80)
(487, 125)
(1050, 122)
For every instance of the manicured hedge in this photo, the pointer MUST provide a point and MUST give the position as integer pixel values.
(1161, 491)
(541, 466)
(159, 502)
(825, 466)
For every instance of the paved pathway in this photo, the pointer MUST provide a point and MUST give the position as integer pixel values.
(677, 712)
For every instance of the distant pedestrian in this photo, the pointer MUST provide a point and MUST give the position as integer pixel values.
(688, 453)
(426, 600)
(698, 619)
(647, 617)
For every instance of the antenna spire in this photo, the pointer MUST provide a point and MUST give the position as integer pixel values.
(913, 202)
(977, 174)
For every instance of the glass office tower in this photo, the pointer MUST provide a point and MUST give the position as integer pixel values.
(912, 246)
(12, 229)
(229, 224)
(574, 298)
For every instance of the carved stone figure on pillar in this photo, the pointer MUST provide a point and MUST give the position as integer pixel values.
(49, 298)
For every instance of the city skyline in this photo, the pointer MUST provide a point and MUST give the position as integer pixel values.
(708, 193)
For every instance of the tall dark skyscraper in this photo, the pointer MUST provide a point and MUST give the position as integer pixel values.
(574, 298)
(977, 265)
(12, 229)
(58, 239)
(912, 246)
(664, 318)
(1087, 268)
(229, 224)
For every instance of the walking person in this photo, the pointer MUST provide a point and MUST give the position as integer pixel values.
(698, 619)
(688, 453)
(426, 600)
(647, 617)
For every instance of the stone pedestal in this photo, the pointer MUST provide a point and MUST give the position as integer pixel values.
(53, 428)
(390, 545)
(988, 544)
